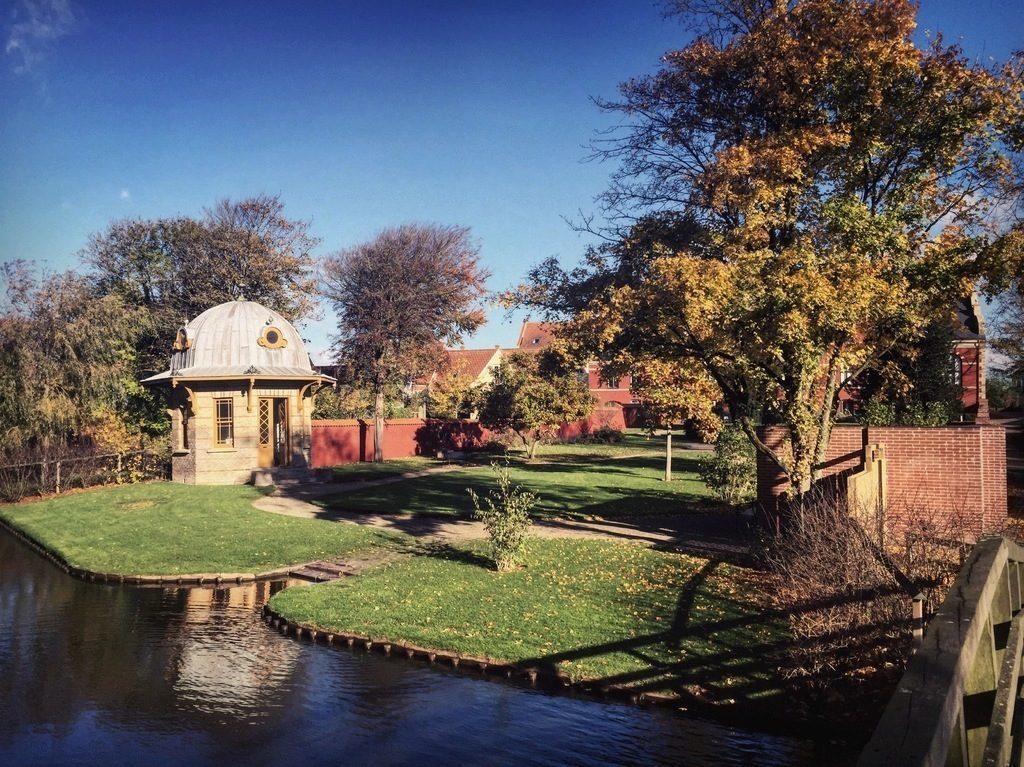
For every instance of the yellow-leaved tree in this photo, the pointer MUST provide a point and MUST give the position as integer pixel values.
(799, 189)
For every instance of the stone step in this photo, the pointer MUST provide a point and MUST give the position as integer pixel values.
(320, 572)
(282, 476)
(328, 567)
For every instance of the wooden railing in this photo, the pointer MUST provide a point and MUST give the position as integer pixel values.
(60, 474)
(956, 704)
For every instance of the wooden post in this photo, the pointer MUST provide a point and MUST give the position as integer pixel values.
(57, 483)
(117, 477)
(917, 614)
(668, 455)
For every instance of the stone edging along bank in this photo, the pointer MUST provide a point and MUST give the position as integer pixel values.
(201, 579)
(535, 676)
(769, 717)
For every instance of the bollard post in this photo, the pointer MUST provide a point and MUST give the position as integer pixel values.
(917, 615)
(57, 483)
(668, 455)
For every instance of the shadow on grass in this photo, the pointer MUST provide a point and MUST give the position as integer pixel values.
(728, 660)
(615, 491)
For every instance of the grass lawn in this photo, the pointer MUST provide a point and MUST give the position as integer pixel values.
(596, 610)
(634, 442)
(567, 485)
(162, 528)
(358, 472)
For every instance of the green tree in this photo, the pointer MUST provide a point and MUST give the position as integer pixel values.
(451, 393)
(399, 299)
(916, 378)
(1008, 335)
(67, 359)
(532, 394)
(505, 512)
(731, 471)
(176, 268)
(800, 188)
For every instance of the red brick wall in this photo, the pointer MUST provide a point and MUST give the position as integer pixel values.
(352, 441)
(948, 470)
(970, 377)
(607, 416)
(604, 391)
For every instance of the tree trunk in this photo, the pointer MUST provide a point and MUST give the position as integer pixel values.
(378, 426)
(533, 448)
(668, 456)
(827, 414)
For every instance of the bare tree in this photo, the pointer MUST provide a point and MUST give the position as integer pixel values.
(399, 298)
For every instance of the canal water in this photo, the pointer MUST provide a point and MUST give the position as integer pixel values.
(114, 675)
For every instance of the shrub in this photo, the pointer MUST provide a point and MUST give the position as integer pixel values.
(731, 471)
(609, 435)
(605, 435)
(505, 513)
(881, 412)
(847, 591)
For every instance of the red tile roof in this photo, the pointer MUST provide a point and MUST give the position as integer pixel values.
(536, 335)
(471, 361)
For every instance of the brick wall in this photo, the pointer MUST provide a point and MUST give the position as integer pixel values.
(351, 441)
(612, 417)
(958, 469)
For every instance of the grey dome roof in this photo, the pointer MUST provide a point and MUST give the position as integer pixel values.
(234, 339)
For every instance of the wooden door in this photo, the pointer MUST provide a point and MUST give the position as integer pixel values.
(282, 454)
(265, 442)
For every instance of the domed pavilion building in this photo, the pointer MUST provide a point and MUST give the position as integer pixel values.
(240, 388)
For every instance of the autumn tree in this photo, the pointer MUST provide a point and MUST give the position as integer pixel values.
(399, 299)
(798, 189)
(676, 392)
(176, 268)
(67, 360)
(532, 394)
(450, 392)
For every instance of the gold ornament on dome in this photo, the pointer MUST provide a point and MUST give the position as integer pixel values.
(272, 338)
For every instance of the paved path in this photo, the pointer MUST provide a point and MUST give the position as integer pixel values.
(709, 533)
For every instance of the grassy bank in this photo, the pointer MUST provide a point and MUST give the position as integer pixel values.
(575, 483)
(599, 611)
(170, 529)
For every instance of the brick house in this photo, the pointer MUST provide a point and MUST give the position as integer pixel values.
(534, 336)
(966, 360)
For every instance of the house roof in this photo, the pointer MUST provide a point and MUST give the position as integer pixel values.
(473, 362)
(536, 335)
(238, 339)
(969, 325)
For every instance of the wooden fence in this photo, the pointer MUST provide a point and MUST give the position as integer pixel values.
(958, 703)
(61, 474)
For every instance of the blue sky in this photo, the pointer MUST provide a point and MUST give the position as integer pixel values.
(360, 114)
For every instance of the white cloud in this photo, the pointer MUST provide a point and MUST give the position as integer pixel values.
(33, 28)
(125, 194)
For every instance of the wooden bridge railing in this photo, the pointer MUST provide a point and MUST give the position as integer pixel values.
(957, 702)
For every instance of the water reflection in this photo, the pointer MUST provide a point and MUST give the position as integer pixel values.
(97, 674)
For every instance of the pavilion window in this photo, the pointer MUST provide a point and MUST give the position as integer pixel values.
(224, 423)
